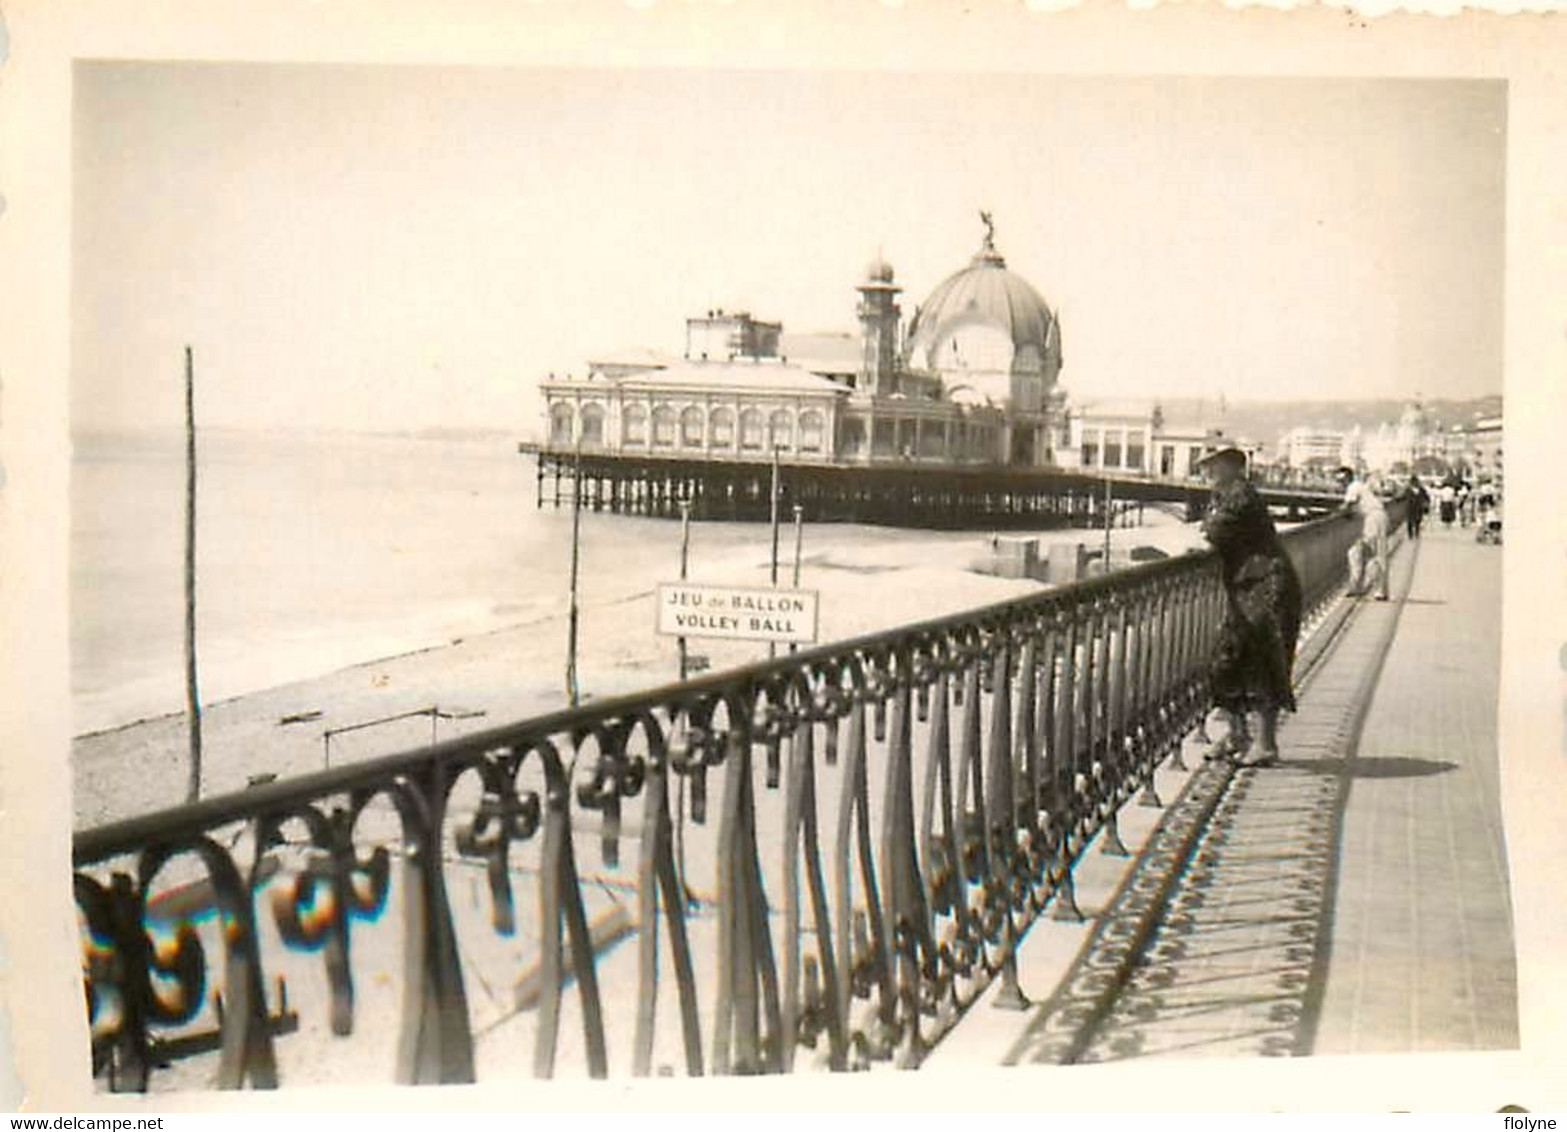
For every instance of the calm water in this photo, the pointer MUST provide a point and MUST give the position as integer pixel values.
(314, 553)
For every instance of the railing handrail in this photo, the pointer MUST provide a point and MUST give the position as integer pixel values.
(171, 824)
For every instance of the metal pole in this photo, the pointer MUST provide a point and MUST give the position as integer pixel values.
(573, 691)
(772, 647)
(1108, 499)
(774, 516)
(799, 542)
(681, 782)
(192, 694)
(685, 552)
(799, 539)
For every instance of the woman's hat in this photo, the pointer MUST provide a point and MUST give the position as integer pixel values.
(1344, 470)
(1229, 455)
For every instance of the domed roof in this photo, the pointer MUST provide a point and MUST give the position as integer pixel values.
(986, 293)
(878, 270)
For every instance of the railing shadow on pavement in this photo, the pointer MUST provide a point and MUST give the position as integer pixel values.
(938, 783)
(1217, 941)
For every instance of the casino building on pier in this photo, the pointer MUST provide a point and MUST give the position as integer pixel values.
(969, 380)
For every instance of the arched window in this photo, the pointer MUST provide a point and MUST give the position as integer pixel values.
(562, 422)
(691, 427)
(721, 423)
(593, 424)
(780, 429)
(663, 427)
(813, 426)
(751, 428)
(633, 424)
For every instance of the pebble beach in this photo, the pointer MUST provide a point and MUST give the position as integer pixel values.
(868, 579)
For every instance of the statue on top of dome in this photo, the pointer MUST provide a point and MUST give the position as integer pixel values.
(990, 228)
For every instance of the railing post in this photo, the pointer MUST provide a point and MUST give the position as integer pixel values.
(436, 1046)
(1106, 751)
(903, 892)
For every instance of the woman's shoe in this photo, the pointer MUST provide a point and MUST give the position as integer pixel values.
(1259, 757)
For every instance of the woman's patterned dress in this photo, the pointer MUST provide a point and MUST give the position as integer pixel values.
(1253, 667)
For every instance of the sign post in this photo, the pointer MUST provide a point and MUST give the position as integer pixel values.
(777, 616)
(799, 543)
(679, 781)
(772, 647)
(685, 555)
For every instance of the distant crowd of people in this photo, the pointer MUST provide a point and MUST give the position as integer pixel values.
(1454, 498)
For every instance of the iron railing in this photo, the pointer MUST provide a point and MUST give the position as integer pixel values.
(938, 784)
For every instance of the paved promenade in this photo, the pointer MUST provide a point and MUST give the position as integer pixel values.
(1422, 935)
(1352, 899)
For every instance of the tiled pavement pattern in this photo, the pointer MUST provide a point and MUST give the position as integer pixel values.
(1352, 899)
(1422, 946)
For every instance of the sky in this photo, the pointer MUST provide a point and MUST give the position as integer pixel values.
(388, 247)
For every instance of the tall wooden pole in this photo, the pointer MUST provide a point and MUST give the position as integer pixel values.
(573, 689)
(192, 694)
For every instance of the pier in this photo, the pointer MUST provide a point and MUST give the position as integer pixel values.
(915, 494)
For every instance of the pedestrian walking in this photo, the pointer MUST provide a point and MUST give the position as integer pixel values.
(1252, 669)
(1419, 503)
(1447, 503)
(1369, 552)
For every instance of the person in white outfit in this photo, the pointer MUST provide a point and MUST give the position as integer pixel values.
(1370, 550)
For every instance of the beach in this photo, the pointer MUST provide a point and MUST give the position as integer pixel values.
(474, 637)
(478, 631)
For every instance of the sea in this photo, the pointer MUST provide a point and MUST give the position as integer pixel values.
(319, 551)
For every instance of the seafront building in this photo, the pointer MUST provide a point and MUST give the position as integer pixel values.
(1135, 437)
(1308, 447)
(1476, 447)
(970, 380)
(1412, 443)
(954, 417)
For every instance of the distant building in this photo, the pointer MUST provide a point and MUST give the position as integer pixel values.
(1306, 447)
(972, 381)
(1398, 447)
(1477, 447)
(722, 336)
(1135, 437)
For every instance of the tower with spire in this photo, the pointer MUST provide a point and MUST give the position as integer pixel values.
(879, 314)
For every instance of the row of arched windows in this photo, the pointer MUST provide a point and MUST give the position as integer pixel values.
(693, 427)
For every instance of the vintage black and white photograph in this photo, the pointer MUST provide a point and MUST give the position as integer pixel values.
(602, 573)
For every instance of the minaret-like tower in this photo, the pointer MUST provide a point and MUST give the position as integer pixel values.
(879, 316)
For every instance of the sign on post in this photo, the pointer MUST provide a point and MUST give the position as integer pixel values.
(687, 609)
